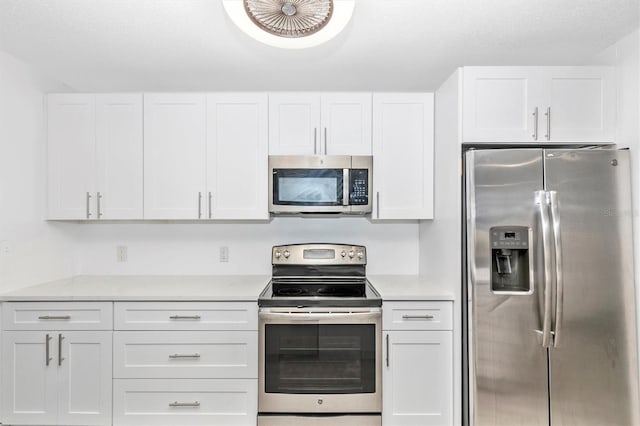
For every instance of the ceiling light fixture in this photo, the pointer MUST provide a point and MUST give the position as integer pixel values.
(292, 24)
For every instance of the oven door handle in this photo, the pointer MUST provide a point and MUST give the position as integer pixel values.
(306, 316)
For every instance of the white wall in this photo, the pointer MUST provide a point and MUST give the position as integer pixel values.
(31, 250)
(193, 248)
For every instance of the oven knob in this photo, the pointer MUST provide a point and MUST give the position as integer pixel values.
(360, 255)
(286, 254)
(278, 254)
(351, 254)
(343, 254)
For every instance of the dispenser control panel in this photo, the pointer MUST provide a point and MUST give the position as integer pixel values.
(510, 237)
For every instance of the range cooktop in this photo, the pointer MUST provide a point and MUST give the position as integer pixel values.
(319, 275)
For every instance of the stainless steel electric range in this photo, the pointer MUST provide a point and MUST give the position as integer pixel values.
(320, 338)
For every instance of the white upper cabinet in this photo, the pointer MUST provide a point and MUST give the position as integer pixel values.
(237, 156)
(94, 156)
(119, 155)
(320, 124)
(403, 155)
(174, 155)
(538, 104)
(71, 154)
(206, 156)
(294, 123)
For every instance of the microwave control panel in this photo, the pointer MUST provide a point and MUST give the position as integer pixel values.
(359, 187)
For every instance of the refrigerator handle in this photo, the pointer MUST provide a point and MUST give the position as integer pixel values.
(542, 202)
(557, 243)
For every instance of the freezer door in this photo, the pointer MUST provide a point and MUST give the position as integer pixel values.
(593, 365)
(508, 366)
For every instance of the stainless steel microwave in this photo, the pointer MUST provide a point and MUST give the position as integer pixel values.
(320, 184)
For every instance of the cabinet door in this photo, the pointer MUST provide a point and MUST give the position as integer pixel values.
(499, 104)
(174, 156)
(71, 156)
(119, 156)
(346, 124)
(237, 156)
(83, 361)
(417, 379)
(581, 104)
(29, 393)
(294, 123)
(403, 155)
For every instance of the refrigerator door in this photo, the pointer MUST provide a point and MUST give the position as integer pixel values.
(508, 378)
(593, 363)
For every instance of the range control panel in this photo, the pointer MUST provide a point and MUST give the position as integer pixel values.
(319, 254)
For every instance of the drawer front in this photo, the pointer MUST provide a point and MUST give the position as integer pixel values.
(173, 402)
(185, 354)
(57, 316)
(186, 316)
(417, 315)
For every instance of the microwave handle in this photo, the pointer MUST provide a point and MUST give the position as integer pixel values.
(345, 187)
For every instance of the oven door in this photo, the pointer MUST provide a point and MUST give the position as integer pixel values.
(320, 360)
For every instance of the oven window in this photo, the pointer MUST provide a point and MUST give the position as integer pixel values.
(308, 187)
(320, 358)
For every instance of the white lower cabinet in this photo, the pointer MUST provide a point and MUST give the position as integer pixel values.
(417, 378)
(185, 363)
(56, 377)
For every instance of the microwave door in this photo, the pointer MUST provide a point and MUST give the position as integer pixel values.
(308, 190)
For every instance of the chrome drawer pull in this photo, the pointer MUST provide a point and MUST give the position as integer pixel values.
(54, 317)
(408, 317)
(184, 404)
(184, 317)
(174, 356)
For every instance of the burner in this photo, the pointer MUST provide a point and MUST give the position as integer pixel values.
(288, 291)
(341, 291)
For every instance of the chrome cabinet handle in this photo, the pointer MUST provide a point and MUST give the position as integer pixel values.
(542, 202)
(47, 356)
(409, 317)
(377, 205)
(184, 404)
(557, 242)
(199, 205)
(60, 358)
(99, 198)
(387, 350)
(345, 187)
(210, 199)
(54, 317)
(88, 200)
(548, 114)
(325, 141)
(535, 124)
(185, 317)
(176, 356)
(315, 140)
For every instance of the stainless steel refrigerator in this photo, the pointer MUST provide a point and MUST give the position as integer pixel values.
(550, 310)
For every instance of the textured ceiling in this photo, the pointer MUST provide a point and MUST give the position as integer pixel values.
(172, 45)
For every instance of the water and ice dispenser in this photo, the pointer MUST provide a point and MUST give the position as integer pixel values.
(510, 259)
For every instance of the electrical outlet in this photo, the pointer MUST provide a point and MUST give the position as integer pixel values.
(121, 253)
(224, 254)
(5, 248)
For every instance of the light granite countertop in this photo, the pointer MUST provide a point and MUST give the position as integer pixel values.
(202, 288)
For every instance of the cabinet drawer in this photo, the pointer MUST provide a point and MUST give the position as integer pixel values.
(417, 315)
(57, 316)
(185, 354)
(186, 316)
(173, 402)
